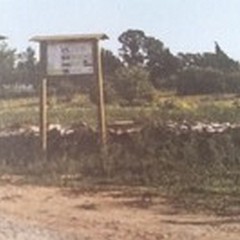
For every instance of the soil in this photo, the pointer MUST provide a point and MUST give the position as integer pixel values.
(112, 213)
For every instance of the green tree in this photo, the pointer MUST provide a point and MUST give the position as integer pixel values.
(209, 72)
(223, 61)
(26, 69)
(188, 60)
(160, 62)
(196, 80)
(132, 84)
(138, 49)
(217, 60)
(7, 61)
(133, 42)
(110, 62)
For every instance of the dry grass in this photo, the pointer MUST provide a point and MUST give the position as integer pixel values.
(79, 108)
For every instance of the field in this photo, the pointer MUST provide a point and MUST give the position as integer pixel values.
(176, 162)
(215, 108)
(170, 172)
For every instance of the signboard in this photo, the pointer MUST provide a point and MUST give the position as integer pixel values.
(70, 58)
(64, 55)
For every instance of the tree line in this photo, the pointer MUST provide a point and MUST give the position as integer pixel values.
(142, 66)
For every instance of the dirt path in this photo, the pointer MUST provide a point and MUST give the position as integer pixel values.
(14, 229)
(111, 214)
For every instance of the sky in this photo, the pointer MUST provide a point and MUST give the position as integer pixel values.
(182, 25)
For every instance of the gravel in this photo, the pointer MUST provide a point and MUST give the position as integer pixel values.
(11, 229)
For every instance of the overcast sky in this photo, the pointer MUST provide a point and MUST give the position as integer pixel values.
(183, 25)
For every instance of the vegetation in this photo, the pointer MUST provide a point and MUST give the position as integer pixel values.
(138, 87)
(179, 163)
(185, 73)
(146, 83)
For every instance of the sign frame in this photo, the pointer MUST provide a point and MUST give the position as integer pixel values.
(67, 58)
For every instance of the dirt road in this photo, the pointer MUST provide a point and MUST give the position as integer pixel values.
(13, 229)
(112, 214)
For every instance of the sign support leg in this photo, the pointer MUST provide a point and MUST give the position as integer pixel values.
(101, 103)
(43, 117)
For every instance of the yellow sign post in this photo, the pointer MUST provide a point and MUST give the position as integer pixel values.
(68, 55)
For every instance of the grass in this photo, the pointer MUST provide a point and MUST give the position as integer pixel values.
(165, 107)
(196, 171)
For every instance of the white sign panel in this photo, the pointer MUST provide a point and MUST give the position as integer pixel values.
(70, 58)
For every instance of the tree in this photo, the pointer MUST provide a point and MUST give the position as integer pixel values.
(160, 62)
(208, 73)
(138, 49)
(110, 62)
(188, 60)
(133, 42)
(196, 80)
(7, 60)
(26, 69)
(217, 60)
(224, 62)
(132, 84)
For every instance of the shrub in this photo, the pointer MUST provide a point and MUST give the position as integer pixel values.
(110, 95)
(132, 84)
(200, 81)
(232, 83)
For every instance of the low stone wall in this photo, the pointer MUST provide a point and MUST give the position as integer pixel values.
(22, 143)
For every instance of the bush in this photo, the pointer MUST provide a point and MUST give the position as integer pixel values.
(157, 155)
(232, 83)
(200, 81)
(110, 95)
(133, 85)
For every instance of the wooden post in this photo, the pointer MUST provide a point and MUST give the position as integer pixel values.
(43, 99)
(101, 103)
(43, 116)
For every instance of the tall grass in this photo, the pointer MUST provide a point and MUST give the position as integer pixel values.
(80, 109)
